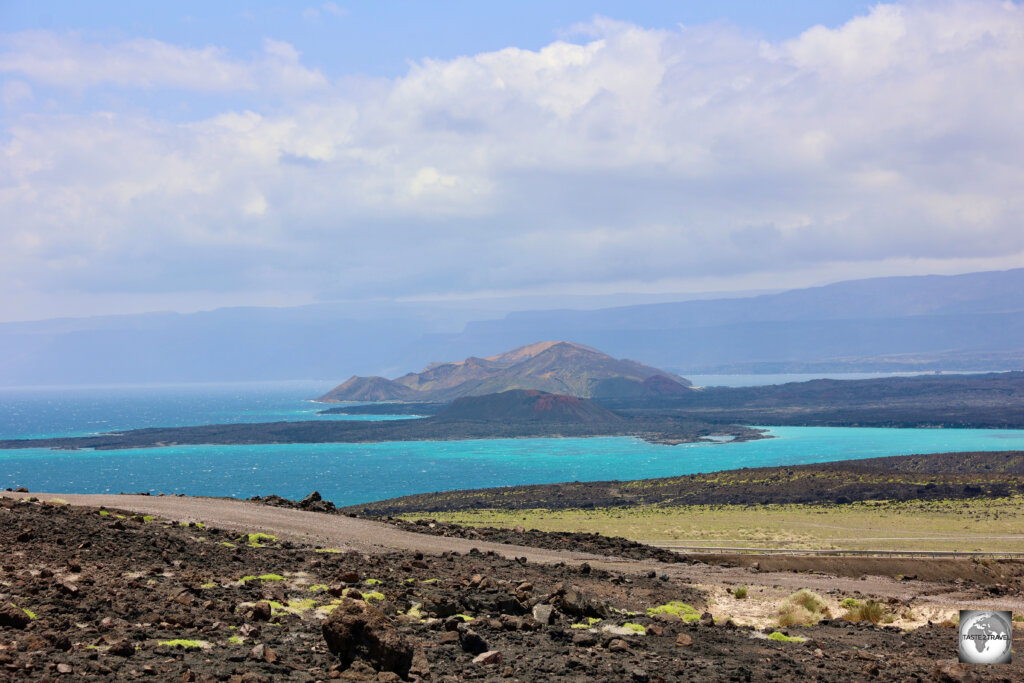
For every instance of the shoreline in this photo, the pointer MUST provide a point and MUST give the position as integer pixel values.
(667, 431)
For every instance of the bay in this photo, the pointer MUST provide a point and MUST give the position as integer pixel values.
(354, 473)
(50, 412)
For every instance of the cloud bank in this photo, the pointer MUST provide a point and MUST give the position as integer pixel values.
(619, 158)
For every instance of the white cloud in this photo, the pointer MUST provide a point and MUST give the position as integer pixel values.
(68, 61)
(638, 157)
(333, 8)
(313, 13)
(429, 179)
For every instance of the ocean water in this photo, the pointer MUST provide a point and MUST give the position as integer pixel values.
(355, 473)
(32, 413)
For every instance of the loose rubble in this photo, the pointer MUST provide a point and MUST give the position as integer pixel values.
(93, 594)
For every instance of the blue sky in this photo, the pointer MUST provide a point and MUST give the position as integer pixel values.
(380, 38)
(191, 155)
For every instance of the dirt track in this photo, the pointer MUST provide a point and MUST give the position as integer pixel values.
(338, 531)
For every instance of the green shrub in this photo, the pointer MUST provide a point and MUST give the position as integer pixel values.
(869, 610)
(812, 602)
(795, 615)
(802, 608)
(740, 593)
(783, 638)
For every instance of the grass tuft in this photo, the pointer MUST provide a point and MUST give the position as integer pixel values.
(783, 638)
(255, 540)
(262, 577)
(678, 608)
(802, 608)
(185, 644)
(868, 610)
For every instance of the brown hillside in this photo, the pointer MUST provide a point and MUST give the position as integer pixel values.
(555, 367)
(368, 389)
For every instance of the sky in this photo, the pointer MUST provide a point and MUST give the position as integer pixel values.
(191, 155)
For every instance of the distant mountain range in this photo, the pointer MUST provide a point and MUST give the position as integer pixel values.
(556, 367)
(971, 322)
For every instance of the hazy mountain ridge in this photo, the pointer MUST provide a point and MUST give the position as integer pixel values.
(873, 298)
(969, 322)
(552, 367)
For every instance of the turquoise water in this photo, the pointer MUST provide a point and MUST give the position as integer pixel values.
(354, 473)
(79, 411)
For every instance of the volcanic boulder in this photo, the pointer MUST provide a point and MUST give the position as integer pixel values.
(357, 630)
